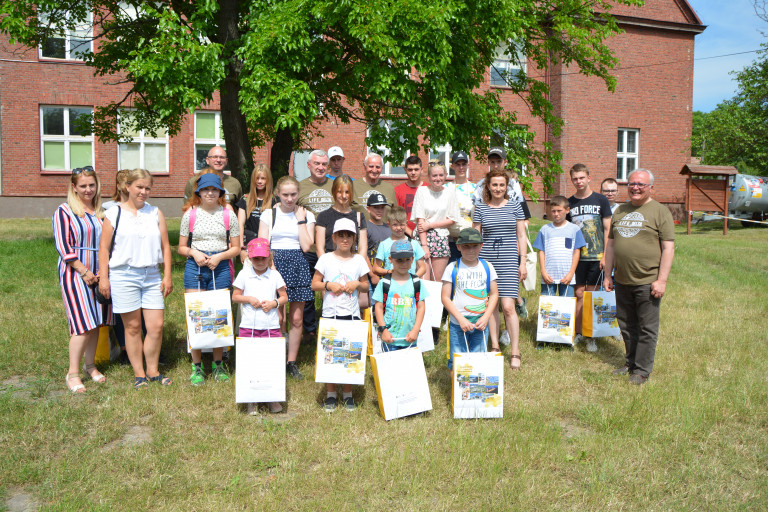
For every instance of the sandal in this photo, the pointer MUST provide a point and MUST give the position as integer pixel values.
(140, 383)
(96, 376)
(77, 388)
(495, 349)
(512, 358)
(161, 379)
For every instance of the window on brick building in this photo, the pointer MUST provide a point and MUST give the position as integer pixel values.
(442, 154)
(69, 43)
(145, 150)
(389, 168)
(65, 142)
(509, 63)
(626, 152)
(208, 133)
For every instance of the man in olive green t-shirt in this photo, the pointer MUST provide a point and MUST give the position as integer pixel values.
(641, 247)
(372, 184)
(217, 161)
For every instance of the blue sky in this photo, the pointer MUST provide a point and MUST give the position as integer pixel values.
(732, 27)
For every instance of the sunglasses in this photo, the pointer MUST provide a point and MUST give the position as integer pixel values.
(78, 170)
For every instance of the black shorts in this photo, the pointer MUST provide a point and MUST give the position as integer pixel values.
(588, 273)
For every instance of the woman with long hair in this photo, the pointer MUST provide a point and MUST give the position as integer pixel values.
(250, 208)
(77, 228)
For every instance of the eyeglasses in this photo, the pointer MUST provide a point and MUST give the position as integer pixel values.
(638, 185)
(217, 157)
(78, 170)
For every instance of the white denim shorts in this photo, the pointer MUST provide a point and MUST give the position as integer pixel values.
(133, 288)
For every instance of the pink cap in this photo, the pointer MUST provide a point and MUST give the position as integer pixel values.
(258, 247)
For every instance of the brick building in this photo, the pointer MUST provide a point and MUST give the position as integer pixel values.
(645, 123)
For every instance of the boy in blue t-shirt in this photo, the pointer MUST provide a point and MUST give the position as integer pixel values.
(559, 245)
(398, 222)
(400, 315)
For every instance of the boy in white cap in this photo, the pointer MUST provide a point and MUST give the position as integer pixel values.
(335, 162)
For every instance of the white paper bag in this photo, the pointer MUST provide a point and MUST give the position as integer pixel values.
(478, 385)
(209, 319)
(260, 370)
(401, 383)
(433, 304)
(599, 315)
(341, 346)
(556, 319)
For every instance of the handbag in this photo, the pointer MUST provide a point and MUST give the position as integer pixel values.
(101, 299)
(529, 283)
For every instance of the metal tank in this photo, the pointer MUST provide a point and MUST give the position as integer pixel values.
(749, 197)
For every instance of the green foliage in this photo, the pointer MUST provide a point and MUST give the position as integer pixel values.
(292, 64)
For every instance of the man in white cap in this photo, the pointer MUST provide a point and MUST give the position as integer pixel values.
(336, 162)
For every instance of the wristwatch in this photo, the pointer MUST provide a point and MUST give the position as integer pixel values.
(381, 328)
(302, 221)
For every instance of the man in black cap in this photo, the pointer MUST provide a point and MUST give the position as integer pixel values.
(378, 230)
(464, 190)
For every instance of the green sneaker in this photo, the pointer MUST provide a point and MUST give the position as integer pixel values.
(198, 376)
(219, 372)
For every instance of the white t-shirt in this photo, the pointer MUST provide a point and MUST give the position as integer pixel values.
(337, 270)
(471, 292)
(137, 240)
(263, 287)
(435, 206)
(285, 234)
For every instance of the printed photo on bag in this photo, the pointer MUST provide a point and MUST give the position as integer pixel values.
(340, 345)
(556, 320)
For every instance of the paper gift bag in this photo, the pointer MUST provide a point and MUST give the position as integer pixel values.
(260, 370)
(209, 319)
(401, 383)
(556, 319)
(433, 304)
(478, 385)
(340, 345)
(107, 348)
(599, 315)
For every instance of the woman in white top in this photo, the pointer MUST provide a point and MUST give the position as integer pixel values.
(290, 229)
(130, 274)
(435, 210)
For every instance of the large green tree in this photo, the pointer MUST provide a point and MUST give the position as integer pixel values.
(282, 67)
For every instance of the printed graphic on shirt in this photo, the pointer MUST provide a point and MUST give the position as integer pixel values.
(591, 225)
(319, 200)
(630, 225)
(472, 284)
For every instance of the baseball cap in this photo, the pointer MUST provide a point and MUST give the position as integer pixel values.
(459, 156)
(345, 225)
(401, 249)
(498, 152)
(258, 247)
(377, 199)
(469, 236)
(335, 151)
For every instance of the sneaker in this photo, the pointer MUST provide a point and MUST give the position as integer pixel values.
(578, 338)
(330, 404)
(504, 338)
(293, 370)
(591, 345)
(637, 379)
(219, 372)
(522, 308)
(349, 404)
(621, 371)
(275, 407)
(198, 376)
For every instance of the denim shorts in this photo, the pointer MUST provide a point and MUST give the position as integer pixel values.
(201, 278)
(475, 339)
(135, 288)
(557, 289)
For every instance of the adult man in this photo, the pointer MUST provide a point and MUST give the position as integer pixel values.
(592, 213)
(641, 247)
(464, 191)
(217, 160)
(610, 189)
(405, 191)
(372, 183)
(336, 156)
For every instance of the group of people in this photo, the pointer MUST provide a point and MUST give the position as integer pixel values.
(358, 242)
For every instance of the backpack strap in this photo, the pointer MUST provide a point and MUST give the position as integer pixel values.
(114, 231)
(454, 275)
(225, 214)
(192, 219)
(386, 280)
(487, 276)
(416, 288)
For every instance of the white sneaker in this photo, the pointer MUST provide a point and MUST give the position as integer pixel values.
(253, 409)
(578, 338)
(591, 345)
(504, 339)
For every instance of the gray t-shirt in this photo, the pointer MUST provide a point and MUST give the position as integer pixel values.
(376, 234)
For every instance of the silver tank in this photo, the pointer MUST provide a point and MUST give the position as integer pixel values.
(749, 196)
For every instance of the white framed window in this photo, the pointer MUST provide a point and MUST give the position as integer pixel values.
(68, 43)
(509, 62)
(144, 151)
(389, 169)
(628, 147)
(442, 154)
(63, 144)
(208, 133)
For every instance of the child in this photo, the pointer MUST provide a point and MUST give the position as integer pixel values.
(469, 294)
(262, 291)
(398, 223)
(559, 244)
(377, 232)
(399, 315)
(341, 275)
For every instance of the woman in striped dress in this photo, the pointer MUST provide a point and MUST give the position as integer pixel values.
(501, 221)
(76, 233)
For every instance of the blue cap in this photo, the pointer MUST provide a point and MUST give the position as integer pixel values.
(401, 249)
(209, 180)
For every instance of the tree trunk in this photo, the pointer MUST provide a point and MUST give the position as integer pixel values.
(282, 148)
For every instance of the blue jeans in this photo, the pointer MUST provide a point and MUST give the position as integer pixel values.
(557, 289)
(475, 339)
(201, 278)
(391, 347)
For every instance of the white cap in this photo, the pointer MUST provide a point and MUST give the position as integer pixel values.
(345, 225)
(335, 151)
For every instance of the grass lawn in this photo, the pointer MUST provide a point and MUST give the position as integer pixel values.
(573, 437)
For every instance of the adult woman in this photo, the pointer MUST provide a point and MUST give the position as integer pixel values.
(77, 226)
(129, 273)
(250, 208)
(290, 233)
(435, 210)
(502, 225)
(208, 244)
